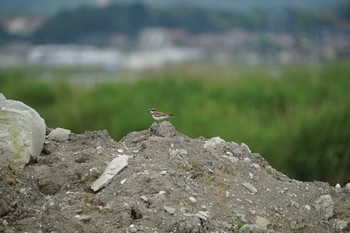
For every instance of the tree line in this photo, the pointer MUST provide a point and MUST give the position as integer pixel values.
(94, 24)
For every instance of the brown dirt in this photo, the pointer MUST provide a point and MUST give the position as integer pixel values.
(171, 184)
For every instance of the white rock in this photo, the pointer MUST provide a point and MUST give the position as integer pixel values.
(324, 206)
(193, 200)
(59, 135)
(170, 210)
(213, 142)
(22, 131)
(250, 187)
(113, 168)
(337, 186)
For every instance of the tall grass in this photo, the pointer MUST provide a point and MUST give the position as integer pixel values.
(297, 117)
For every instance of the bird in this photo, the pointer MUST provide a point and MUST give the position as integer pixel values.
(159, 116)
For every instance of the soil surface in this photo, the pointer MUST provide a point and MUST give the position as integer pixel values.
(172, 183)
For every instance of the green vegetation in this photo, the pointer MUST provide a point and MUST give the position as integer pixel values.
(297, 117)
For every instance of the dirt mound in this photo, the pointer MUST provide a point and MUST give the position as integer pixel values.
(172, 183)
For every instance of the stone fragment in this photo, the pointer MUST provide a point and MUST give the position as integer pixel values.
(59, 135)
(193, 200)
(263, 222)
(213, 143)
(253, 228)
(296, 224)
(340, 225)
(113, 168)
(347, 186)
(202, 215)
(250, 187)
(170, 210)
(324, 206)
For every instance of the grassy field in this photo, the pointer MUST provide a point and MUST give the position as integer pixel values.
(297, 116)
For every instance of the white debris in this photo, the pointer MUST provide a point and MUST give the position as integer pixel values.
(113, 168)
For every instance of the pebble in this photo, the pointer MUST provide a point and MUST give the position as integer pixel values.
(307, 207)
(337, 186)
(162, 173)
(296, 224)
(83, 218)
(262, 221)
(144, 198)
(202, 215)
(193, 200)
(250, 187)
(227, 194)
(120, 150)
(170, 210)
(247, 160)
(59, 135)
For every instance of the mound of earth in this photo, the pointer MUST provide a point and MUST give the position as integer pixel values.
(172, 183)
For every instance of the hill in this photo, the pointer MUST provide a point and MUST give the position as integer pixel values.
(51, 7)
(171, 183)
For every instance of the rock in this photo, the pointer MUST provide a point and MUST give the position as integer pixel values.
(59, 135)
(347, 186)
(202, 215)
(83, 218)
(22, 131)
(193, 200)
(250, 187)
(252, 228)
(324, 206)
(113, 168)
(213, 143)
(4, 208)
(170, 210)
(296, 224)
(163, 129)
(263, 222)
(340, 225)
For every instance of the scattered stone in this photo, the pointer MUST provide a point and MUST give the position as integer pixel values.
(83, 218)
(213, 143)
(59, 135)
(170, 210)
(260, 221)
(94, 172)
(202, 215)
(247, 160)
(324, 206)
(340, 225)
(252, 228)
(113, 168)
(307, 207)
(183, 152)
(193, 200)
(347, 186)
(337, 186)
(120, 151)
(162, 173)
(296, 224)
(4, 208)
(250, 187)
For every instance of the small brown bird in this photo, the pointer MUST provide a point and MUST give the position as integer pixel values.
(159, 116)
